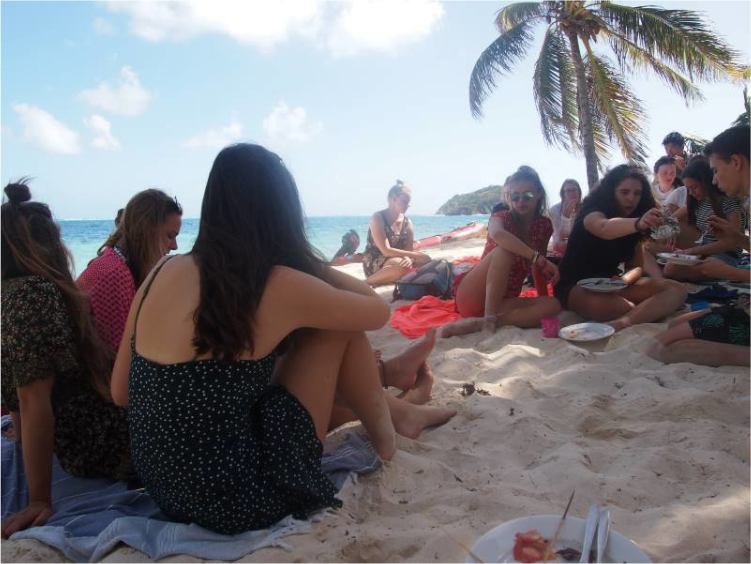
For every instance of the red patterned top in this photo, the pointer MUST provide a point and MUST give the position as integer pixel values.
(110, 287)
(539, 234)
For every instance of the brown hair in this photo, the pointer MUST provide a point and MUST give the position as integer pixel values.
(398, 189)
(136, 233)
(31, 245)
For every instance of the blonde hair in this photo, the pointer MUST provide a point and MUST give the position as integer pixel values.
(399, 189)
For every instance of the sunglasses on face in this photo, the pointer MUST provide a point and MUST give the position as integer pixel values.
(526, 196)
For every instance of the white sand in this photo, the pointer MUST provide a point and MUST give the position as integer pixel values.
(666, 448)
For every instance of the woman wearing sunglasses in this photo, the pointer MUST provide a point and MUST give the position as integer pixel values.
(488, 295)
(611, 229)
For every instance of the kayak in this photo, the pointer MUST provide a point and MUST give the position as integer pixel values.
(473, 229)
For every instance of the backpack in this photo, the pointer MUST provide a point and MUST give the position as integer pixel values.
(433, 279)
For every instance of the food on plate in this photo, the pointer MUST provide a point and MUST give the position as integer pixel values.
(533, 547)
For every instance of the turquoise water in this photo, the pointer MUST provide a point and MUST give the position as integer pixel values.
(84, 237)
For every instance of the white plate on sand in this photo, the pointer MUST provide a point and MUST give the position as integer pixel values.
(584, 332)
(602, 285)
(683, 260)
(497, 545)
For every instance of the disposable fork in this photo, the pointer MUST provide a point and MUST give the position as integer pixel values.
(589, 532)
(603, 534)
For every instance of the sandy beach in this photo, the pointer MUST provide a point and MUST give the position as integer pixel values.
(665, 448)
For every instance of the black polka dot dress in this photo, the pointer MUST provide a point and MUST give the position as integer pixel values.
(216, 444)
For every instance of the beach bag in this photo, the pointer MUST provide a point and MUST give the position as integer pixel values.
(433, 279)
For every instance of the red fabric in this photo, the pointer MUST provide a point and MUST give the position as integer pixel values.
(468, 260)
(110, 287)
(539, 234)
(414, 319)
(532, 292)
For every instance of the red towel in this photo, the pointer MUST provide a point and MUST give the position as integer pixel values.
(414, 319)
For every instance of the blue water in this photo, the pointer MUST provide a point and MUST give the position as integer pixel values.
(84, 237)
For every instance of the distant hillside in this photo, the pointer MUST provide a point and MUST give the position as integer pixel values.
(481, 201)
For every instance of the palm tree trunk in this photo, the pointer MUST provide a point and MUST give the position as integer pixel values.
(585, 117)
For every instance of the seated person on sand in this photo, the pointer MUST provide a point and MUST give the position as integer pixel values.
(487, 296)
(388, 255)
(563, 215)
(232, 388)
(610, 229)
(704, 201)
(55, 370)
(717, 336)
(149, 230)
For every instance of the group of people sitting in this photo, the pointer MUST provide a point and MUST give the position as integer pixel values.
(212, 378)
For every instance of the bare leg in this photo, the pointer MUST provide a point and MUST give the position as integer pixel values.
(423, 388)
(678, 344)
(516, 312)
(324, 363)
(481, 291)
(652, 268)
(401, 371)
(655, 298)
(390, 273)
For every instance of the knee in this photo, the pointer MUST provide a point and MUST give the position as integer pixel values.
(553, 306)
(674, 289)
(499, 255)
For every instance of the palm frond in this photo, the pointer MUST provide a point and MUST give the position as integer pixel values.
(743, 119)
(621, 110)
(694, 144)
(630, 56)
(510, 16)
(554, 88)
(495, 61)
(680, 38)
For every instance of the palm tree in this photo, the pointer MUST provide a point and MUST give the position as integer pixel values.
(583, 98)
(743, 119)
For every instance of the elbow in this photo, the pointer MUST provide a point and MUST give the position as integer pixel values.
(119, 397)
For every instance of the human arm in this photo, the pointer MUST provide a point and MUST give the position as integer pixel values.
(37, 442)
(681, 213)
(635, 266)
(721, 245)
(724, 230)
(616, 227)
(714, 268)
(378, 233)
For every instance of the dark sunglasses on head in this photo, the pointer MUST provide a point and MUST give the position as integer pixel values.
(516, 196)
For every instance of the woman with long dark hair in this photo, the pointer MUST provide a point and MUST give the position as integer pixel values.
(235, 355)
(609, 230)
(147, 231)
(55, 370)
(704, 201)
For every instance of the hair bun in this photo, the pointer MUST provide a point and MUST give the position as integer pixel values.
(18, 193)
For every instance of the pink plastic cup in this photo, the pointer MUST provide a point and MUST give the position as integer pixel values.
(550, 327)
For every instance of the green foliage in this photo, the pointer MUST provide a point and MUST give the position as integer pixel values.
(743, 119)
(478, 202)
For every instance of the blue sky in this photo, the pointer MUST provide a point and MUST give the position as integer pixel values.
(103, 99)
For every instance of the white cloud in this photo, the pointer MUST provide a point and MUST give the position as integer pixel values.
(103, 27)
(103, 138)
(216, 138)
(41, 129)
(129, 98)
(382, 25)
(285, 124)
(345, 28)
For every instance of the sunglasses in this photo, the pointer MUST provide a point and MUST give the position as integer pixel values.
(516, 196)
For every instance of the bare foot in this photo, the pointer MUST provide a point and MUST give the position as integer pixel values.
(402, 370)
(410, 420)
(421, 393)
(462, 327)
(619, 324)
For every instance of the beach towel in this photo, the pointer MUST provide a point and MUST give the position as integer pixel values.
(413, 320)
(93, 515)
(714, 293)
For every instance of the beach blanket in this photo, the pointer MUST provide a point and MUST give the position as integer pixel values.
(93, 515)
(414, 319)
(714, 293)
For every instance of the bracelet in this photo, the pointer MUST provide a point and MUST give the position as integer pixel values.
(493, 318)
(636, 224)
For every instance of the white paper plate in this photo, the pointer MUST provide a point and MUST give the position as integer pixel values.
(584, 332)
(497, 545)
(683, 260)
(602, 285)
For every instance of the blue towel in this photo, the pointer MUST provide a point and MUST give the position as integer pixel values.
(92, 516)
(714, 293)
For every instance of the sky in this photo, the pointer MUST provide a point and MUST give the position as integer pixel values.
(100, 100)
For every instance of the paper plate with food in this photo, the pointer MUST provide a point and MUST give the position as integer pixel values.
(602, 285)
(528, 540)
(584, 332)
(680, 258)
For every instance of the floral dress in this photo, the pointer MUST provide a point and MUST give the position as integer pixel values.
(372, 258)
(91, 435)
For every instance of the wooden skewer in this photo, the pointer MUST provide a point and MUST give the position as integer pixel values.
(464, 546)
(551, 545)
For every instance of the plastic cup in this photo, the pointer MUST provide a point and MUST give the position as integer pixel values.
(550, 327)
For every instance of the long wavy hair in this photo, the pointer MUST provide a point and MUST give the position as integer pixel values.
(251, 221)
(602, 198)
(31, 245)
(137, 232)
(698, 169)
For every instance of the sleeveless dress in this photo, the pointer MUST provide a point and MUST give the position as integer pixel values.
(216, 444)
(372, 258)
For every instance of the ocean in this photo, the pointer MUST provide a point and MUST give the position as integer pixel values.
(84, 236)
